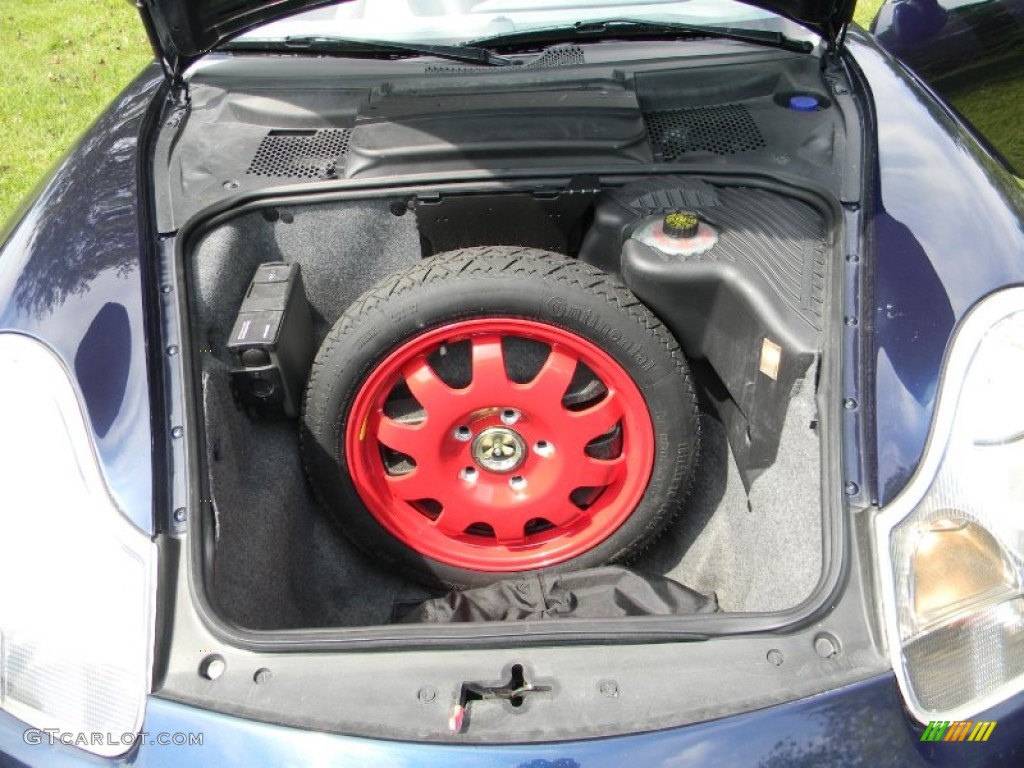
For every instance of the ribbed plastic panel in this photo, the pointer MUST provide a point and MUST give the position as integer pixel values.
(782, 239)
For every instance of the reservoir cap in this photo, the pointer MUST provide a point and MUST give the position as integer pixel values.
(680, 225)
(803, 103)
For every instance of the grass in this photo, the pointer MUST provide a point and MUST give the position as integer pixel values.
(993, 106)
(865, 11)
(66, 60)
(63, 61)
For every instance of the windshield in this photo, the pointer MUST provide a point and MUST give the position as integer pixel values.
(459, 21)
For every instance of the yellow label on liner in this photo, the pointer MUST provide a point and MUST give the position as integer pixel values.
(771, 358)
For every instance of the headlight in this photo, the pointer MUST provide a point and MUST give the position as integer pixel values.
(77, 580)
(951, 546)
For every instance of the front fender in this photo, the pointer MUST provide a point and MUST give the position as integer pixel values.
(71, 275)
(945, 227)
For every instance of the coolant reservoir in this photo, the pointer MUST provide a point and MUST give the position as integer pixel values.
(676, 234)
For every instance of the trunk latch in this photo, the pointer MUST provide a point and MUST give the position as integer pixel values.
(514, 691)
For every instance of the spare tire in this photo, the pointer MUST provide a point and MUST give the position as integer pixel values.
(496, 410)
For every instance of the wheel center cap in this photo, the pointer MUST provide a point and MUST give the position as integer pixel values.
(499, 449)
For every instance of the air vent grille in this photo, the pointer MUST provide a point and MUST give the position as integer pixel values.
(300, 154)
(724, 130)
(558, 56)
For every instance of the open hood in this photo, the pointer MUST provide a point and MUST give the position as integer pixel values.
(183, 30)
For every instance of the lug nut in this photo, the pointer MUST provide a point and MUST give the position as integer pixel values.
(543, 448)
(509, 416)
(463, 434)
(517, 483)
(468, 474)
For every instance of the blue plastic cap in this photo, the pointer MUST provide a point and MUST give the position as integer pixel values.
(803, 103)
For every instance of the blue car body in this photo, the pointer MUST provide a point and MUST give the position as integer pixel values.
(80, 254)
(863, 724)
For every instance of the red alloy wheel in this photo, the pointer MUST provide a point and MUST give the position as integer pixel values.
(499, 465)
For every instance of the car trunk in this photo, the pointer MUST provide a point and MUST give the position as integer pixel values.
(753, 530)
(352, 179)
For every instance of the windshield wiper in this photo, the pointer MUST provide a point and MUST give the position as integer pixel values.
(350, 47)
(625, 29)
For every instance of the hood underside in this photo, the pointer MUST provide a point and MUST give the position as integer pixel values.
(183, 30)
